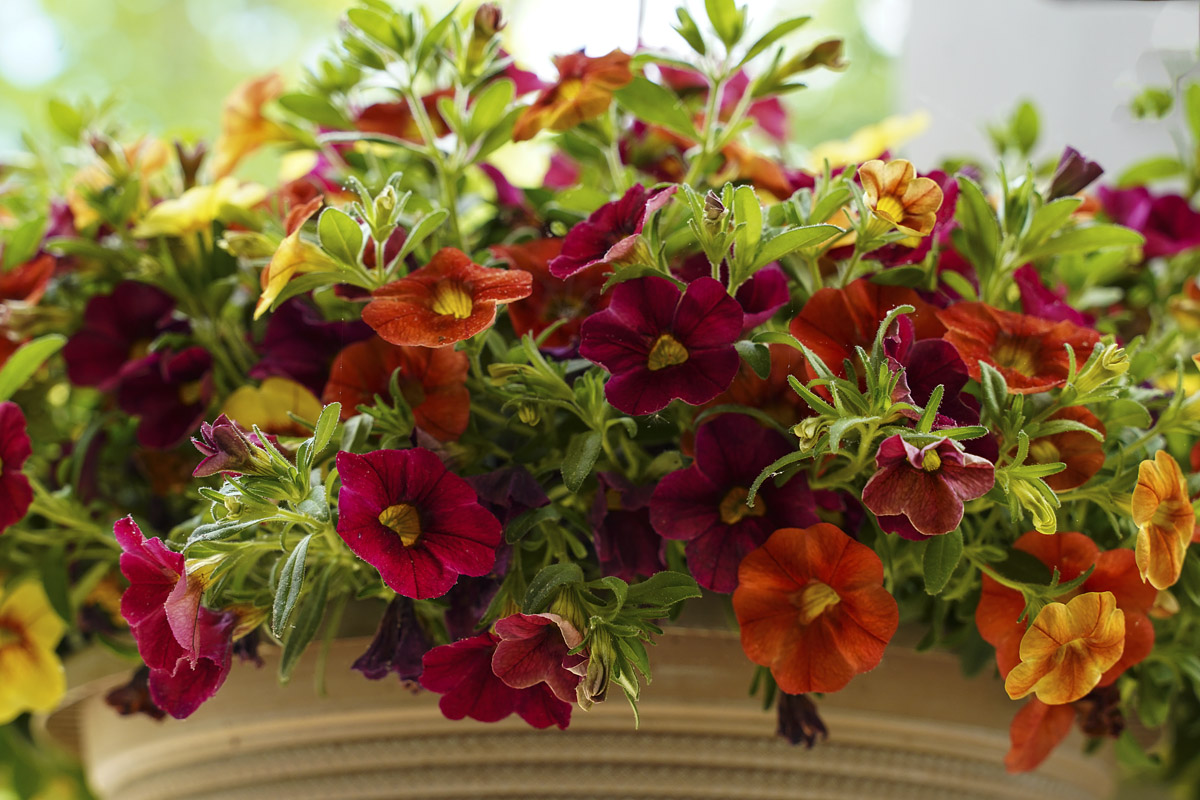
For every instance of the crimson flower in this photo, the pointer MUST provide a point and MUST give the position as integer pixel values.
(446, 301)
(1038, 300)
(170, 392)
(764, 293)
(661, 344)
(299, 344)
(117, 330)
(927, 364)
(1167, 221)
(412, 519)
(626, 543)
(705, 504)
(15, 447)
(610, 234)
(396, 118)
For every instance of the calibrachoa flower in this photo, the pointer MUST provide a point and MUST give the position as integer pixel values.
(896, 195)
(610, 234)
(583, 91)
(914, 249)
(1028, 351)
(446, 301)
(396, 118)
(927, 364)
(1167, 221)
(798, 720)
(924, 487)
(416, 522)
(1068, 648)
(764, 293)
(1035, 731)
(431, 380)
(226, 447)
(270, 406)
(170, 392)
(533, 650)
(293, 255)
(31, 676)
(774, 395)
(1080, 451)
(705, 504)
(26, 283)
(1163, 513)
(118, 329)
(398, 646)
(462, 673)
(812, 607)
(299, 344)
(1073, 174)
(661, 344)
(1039, 301)
(626, 542)
(15, 447)
(243, 127)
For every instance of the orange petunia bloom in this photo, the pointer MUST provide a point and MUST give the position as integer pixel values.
(812, 607)
(896, 195)
(396, 119)
(1080, 451)
(447, 300)
(1163, 513)
(27, 283)
(432, 382)
(1068, 648)
(1035, 731)
(583, 91)
(774, 395)
(243, 127)
(1027, 351)
(293, 255)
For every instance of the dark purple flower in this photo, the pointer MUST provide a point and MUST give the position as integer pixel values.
(927, 364)
(705, 504)
(799, 721)
(925, 486)
(533, 650)
(398, 646)
(170, 392)
(299, 344)
(412, 519)
(611, 233)
(509, 492)
(1040, 301)
(1074, 173)
(627, 545)
(661, 344)
(134, 697)
(1167, 221)
(16, 495)
(117, 330)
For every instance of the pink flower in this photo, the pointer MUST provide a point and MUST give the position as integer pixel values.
(533, 650)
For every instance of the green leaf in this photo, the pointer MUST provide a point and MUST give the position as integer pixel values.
(657, 105)
(1191, 106)
(376, 27)
(909, 276)
(959, 284)
(792, 240)
(52, 572)
(663, 589)
(758, 356)
(529, 520)
(690, 31)
(1088, 239)
(291, 581)
(1025, 126)
(747, 215)
(995, 389)
(315, 109)
(66, 118)
(326, 425)
(581, 456)
(21, 243)
(727, 21)
(1022, 567)
(545, 585)
(340, 235)
(1126, 413)
(26, 360)
(981, 228)
(1149, 170)
(942, 554)
(772, 469)
(772, 36)
(1050, 218)
(308, 620)
(422, 231)
(434, 36)
(308, 282)
(490, 107)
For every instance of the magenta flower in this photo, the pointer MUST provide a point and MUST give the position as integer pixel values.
(661, 344)
(15, 492)
(188, 648)
(1038, 300)
(1168, 221)
(412, 519)
(705, 504)
(925, 486)
(398, 646)
(226, 447)
(117, 330)
(626, 544)
(610, 233)
(533, 650)
(462, 673)
(299, 344)
(170, 392)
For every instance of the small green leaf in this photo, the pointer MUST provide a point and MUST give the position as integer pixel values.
(690, 31)
(1048, 219)
(726, 19)
(981, 228)
(340, 235)
(581, 456)
(545, 585)
(1149, 170)
(1191, 105)
(772, 36)
(794, 239)
(1025, 127)
(657, 105)
(21, 243)
(995, 389)
(748, 217)
(326, 425)
(663, 589)
(308, 620)
(291, 581)
(65, 118)
(376, 27)
(26, 360)
(422, 231)
(1088, 239)
(899, 276)
(942, 554)
(490, 107)
(959, 284)
(315, 109)
(758, 356)
(529, 520)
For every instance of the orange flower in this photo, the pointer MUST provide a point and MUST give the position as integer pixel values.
(243, 127)
(1081, 452)
(897, 196)
(1165, 520)
(1028, 351)
(432, 381)
(396, 119)
(1068, 648)
(774, 395)
(584, 90)
(446, 301)
(812, 607)
(1035, 731)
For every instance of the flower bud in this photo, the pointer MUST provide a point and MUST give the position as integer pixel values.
(1106, 364)
(1165, 605)
(809, 430)
(1045, 520)
(489, 20)
(528, 413)
(385, 205)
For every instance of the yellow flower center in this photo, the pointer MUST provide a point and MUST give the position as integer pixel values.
(734, 508)
(140, 349)
(189, 393)
(1044, 451)
(1015, 354)
(815, 599)
(451, 299)
(890, 208)
(404, 520)
(569, 89)
(931, 461)
(667, 352)
(11, 634)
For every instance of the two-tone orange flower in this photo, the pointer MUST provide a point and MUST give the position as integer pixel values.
(1028, 351)
(1068, 648)
(583, 91)
(896, 195)
(1165, 519)
(243, 127)
(812, 607)
(448, 300)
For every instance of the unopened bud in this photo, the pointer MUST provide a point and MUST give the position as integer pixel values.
(1165, 605)
(714, 209)
(248, 244)
(489, 20)
(808, 431)
(528, 413)
(1045, 520)
(234, 506)
(1106, 364)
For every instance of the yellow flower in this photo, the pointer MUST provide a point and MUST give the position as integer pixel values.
(294, 255)
(197, 208)
(31, 676)
(1068, 649)
(896, 195)
(243, 127)
(1163, 513)
(267, 406)
(869, 141)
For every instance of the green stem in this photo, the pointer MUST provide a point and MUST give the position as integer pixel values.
(447, 178)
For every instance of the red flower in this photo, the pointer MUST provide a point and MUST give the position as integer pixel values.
(552, 299)
(774, 395)
(533, 650)
(446, 301)
(812, 607)
(15, 447)
(1081, 452)
(432, 381)
(626, 542)
(610, 234)
(416, 522)
(1027, 351)
(661, 344)
(584, 91)
(26, 283)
